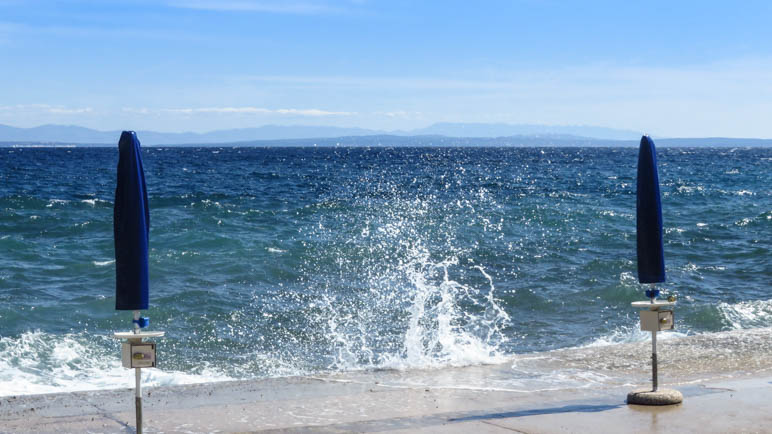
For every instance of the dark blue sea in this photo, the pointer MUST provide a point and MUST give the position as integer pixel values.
(273, 262)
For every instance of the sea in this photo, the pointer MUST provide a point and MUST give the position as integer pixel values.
(277, 262)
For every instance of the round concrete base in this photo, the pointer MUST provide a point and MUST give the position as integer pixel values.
(649, 397)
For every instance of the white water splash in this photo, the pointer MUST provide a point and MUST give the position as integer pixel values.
(629, 334)
(739, 316)
(437, 334)
(53, 202)
(38, 362)
(747, 314)
(436, 330)
(93, 202)
(407, 295)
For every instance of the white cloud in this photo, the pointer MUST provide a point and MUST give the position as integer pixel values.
(312, 112)
(723, 98)
(599, 80)
(47, 109)
(730, 97)
(240, 110)
(70, 111)
(10, 31)
(6, 32)
(399, 114)
(420, 83)
(279, 7)
(248, 110)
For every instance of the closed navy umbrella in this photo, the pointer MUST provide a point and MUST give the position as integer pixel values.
(131, 227)
(651, 268)
(651, 253)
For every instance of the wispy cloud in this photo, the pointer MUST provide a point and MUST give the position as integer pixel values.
(6, 31)
(312, 112)
(70, 111)
(47, 108)
(400, 114)
(239, 110)
(278, 7)
(13, 31)
(374, 82)
(7, 27)
(731, 71)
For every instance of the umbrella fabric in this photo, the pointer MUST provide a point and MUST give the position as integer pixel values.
(131, 226)
(651, 256)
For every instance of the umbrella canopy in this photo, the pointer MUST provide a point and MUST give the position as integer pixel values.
(131, 227)
(651, 255)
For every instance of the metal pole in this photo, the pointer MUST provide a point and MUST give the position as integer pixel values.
(654, 361)
(138, 401)
(138, 383)
(653, 347)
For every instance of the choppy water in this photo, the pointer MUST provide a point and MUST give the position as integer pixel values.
(273, 262)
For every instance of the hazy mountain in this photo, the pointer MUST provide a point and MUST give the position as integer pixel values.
(715, 142)
(57, 133)
(393, 140)
(442, 134)
(507, 130)
(74, 134)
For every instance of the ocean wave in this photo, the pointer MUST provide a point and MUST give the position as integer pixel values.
(683, 359)
(744, 315)
(629, 334)
(436, 333)
(379, 259)
(52, 202)
(38, 362)
(95, 201)
(747, 314)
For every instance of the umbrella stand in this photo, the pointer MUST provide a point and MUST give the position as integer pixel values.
(131, 231)
(137, 354)
(651, 270)
(656, 315)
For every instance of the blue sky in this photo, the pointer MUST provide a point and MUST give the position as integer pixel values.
(677, 69)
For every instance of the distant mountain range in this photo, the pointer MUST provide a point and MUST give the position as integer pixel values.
(508, 130)
(81, 135)
(440, 134)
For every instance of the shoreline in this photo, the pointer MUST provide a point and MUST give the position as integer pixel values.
(725, 377)
(624, 363)
(314, 404)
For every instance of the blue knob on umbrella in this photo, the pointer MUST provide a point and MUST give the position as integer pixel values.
(142, 322)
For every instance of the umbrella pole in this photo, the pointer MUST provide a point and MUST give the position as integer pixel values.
(654, 360)
(138, 402)
(653, 350)
(138, 382)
